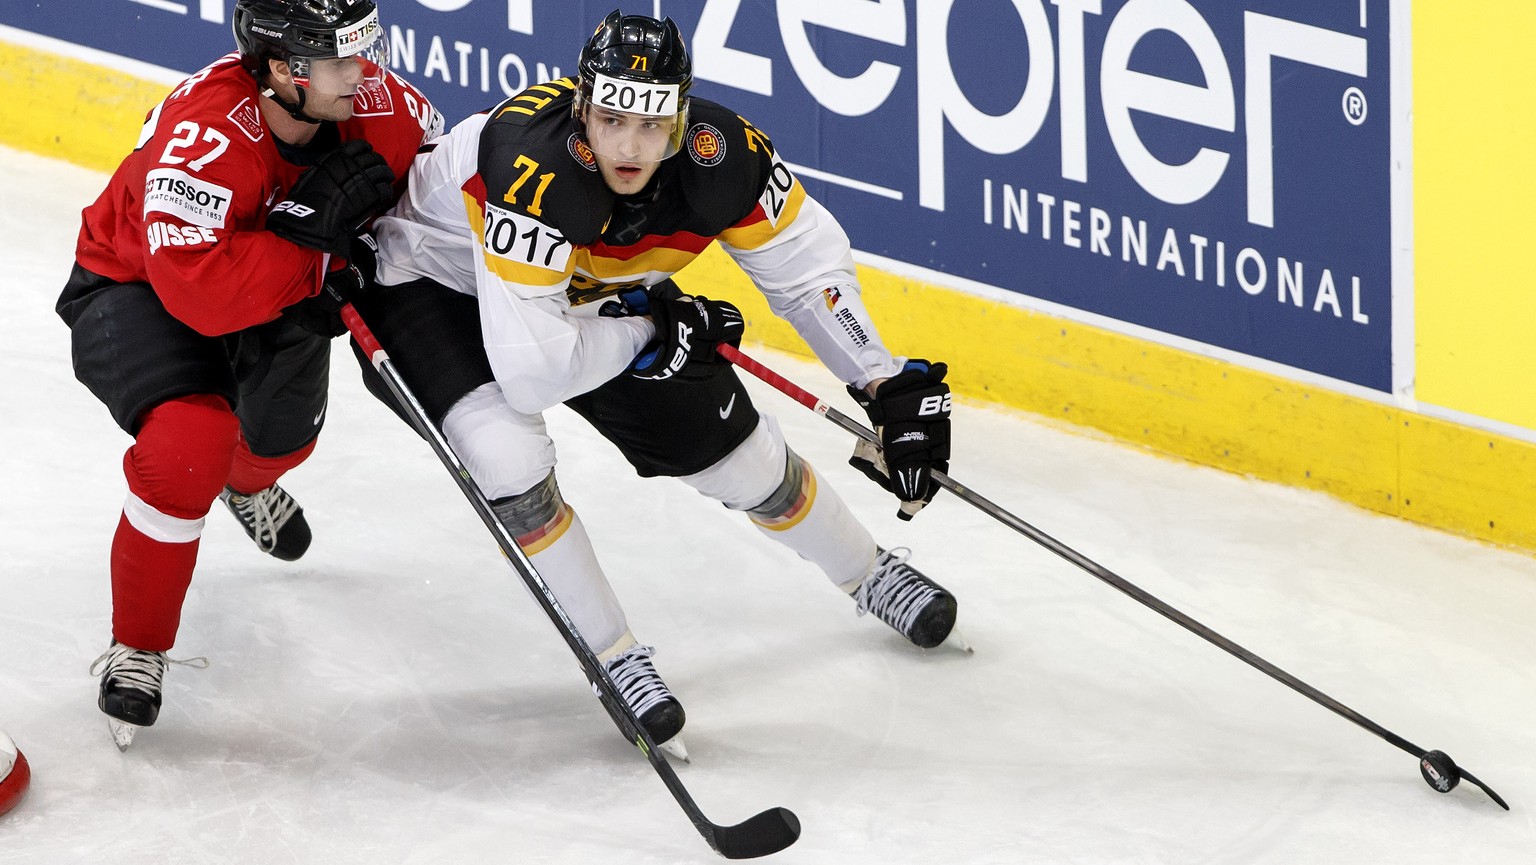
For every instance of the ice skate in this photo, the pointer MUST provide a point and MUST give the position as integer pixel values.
(272, 519)
(649, 698)
(130, 688)
(917, 607)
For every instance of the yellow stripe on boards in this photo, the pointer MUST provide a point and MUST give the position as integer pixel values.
(71, 110)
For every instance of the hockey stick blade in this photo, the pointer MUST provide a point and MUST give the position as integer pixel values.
(761, 835)
(1468, 776)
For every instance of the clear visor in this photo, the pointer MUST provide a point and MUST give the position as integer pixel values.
(362, 58)
(622, 136)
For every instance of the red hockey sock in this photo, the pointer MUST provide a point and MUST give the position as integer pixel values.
(149, 584)
(175, 470)
(252, 474)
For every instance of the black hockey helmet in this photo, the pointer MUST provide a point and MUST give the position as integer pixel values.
(636, 64)
(300, 30)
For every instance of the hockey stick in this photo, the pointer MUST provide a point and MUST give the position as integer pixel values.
(1438, 769)
(760, 835)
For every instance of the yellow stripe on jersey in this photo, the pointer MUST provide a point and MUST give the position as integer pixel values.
(508, 269)
(556, 87)
(553, 88)
(757, 233)
(660, 259)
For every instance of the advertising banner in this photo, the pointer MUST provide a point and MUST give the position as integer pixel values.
(1216, 170)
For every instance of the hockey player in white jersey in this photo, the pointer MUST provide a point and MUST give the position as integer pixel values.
(529, 264)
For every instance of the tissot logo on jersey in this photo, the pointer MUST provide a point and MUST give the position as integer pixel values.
(173, 191)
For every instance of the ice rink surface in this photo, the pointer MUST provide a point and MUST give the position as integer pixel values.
(396, 697)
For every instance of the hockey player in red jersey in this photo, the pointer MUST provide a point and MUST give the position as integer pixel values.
(204, 295)
(529, 264)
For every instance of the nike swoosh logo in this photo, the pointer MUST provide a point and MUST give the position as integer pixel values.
(322, 411)
(726, 412)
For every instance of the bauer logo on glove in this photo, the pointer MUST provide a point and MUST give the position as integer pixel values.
(910, 413)
(687, 330)
(934, 405)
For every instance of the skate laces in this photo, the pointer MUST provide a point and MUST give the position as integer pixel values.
(637, 680)
(264, 513)
(895, 591)
(138, 669)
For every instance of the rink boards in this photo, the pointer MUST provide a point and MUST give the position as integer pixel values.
(1099, 254)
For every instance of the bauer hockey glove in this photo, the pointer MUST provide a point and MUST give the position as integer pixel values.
(910, 413)
(334, 198)
(687, 330)
(320, 313)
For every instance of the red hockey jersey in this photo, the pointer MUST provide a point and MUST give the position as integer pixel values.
(185, 212)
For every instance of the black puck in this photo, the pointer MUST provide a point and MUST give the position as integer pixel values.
(1439, 771)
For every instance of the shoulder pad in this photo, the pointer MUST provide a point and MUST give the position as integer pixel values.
(535, 166)
(222, 95)
(728, 162)
(541, 102)
(396, 96)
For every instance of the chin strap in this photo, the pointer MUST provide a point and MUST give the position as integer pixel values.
(294, 109)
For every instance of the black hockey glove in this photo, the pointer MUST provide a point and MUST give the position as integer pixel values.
(320, 314)
(334, 198)
(687, 330)
(910, 413)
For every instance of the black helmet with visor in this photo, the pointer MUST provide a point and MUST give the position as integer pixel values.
(308, 35)
(633, 80)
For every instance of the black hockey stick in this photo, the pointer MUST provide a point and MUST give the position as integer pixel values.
(765, 833)
(1437, 768)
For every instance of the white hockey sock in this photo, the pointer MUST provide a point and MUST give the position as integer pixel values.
(819, 526)
(562, 553)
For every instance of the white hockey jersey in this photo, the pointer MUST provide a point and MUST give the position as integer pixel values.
(509, 206)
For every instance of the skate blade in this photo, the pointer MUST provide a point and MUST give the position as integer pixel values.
(675, 748)
(122, 733)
